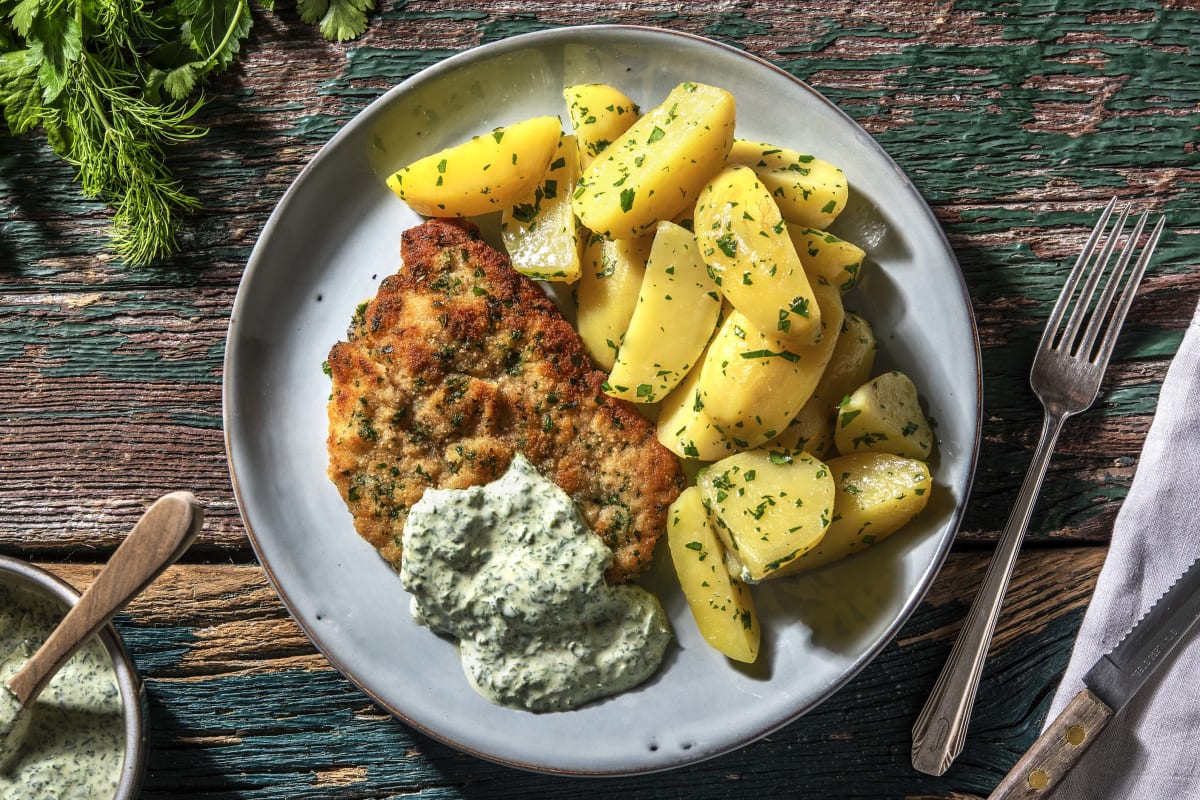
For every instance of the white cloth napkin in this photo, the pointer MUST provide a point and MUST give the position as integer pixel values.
(1151, 750)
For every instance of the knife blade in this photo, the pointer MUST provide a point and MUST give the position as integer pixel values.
(1110, 684)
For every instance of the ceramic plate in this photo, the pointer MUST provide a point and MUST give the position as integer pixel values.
(335, 235)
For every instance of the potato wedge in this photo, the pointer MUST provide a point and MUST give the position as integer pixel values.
(768, 506)
(884, 416)
(752, 380)
(746, 246)
(877, 495)
(811, 430)
(675, 316)
(607, 292)
(599, 115)
(850, 365)
(539, 232)
(487, 173)
(721, 604)
(657, 168)
(827, 256)
(810, 192)
(684, 428)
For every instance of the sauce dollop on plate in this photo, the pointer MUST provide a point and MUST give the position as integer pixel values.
(511, 570)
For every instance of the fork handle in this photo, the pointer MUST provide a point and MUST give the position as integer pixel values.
(941, 729)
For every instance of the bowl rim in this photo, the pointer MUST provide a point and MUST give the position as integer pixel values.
(133, 695)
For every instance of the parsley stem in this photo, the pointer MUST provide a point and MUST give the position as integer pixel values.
(237, 15)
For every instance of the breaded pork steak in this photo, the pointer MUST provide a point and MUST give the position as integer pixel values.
(458, 363)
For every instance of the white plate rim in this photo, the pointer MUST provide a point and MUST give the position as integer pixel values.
(499, 47)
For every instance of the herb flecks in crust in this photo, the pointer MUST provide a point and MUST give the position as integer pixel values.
(458, 363)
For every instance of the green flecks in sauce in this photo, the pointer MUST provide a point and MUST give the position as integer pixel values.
(512, 571)
(73, 743)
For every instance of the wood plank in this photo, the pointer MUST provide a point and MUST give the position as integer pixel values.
(906, 76)
(1016, 122)
(93, 433)
(100, 360)
(241, 703)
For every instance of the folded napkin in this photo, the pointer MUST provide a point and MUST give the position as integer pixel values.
(1151, 750)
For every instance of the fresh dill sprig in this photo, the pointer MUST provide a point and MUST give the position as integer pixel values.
(113, 84)
(121, 161)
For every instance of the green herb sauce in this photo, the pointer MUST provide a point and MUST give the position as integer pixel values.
(511, 570)
(74, 743)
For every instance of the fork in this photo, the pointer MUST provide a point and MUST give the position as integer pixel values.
(1067, 370)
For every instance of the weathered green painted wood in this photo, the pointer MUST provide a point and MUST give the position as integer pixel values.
(1017, 121)
(242, 706)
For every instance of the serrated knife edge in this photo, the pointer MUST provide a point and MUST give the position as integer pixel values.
(1120, 673)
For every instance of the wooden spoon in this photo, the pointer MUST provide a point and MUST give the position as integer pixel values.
(160, 537)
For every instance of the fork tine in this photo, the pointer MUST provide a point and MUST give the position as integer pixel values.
(1099, 265)
(1099, 315)
(1126, 300)
(1064, 297)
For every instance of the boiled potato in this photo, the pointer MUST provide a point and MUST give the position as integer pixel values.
(599, 114)
(539, 232)
(657, 168)
(721, 604)
(811, 430)
(487, 173)
(825, 255)
(769, 507)
(851, 363)
(884, 416)
(676, 313)
(810, 192)
(607, 293)
(877, 494)
(684, 428)
(849, 367)
(746, 246)
(751, 379)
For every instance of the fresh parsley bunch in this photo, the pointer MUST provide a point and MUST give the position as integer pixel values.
(111, 82)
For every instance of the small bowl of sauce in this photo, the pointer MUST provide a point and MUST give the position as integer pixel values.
(86, 736)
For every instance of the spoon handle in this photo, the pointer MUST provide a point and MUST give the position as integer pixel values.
(160, 537)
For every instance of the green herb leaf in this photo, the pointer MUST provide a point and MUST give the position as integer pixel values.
(728, 244)
(341, 20)
(55, 42)
(786, 355)
(20, 93)
(23, 14)
(213, 29)
(180, 81)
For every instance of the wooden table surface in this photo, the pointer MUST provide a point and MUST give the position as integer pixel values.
(1016, 121)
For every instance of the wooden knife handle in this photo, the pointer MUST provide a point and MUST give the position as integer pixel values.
(1054, 753)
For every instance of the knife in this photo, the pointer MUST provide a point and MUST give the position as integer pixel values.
(1110, 684)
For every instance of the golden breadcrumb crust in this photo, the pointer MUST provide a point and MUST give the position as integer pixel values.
(458, 363)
